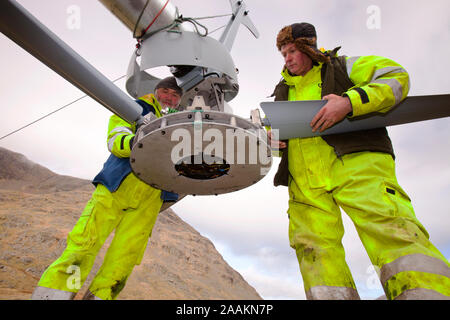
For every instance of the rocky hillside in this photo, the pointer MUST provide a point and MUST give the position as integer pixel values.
(37, 210)
(19, 173)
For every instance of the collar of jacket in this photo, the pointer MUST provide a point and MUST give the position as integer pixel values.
(293, 80)
(281, 91)
(151, 100)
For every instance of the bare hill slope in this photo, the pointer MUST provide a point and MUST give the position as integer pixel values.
(38, 208)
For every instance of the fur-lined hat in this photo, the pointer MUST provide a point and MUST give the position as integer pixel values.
(304, 36)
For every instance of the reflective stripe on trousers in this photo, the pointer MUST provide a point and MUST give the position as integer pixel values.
(332, 293)
(416, 276)
(364, 185)
(42, 293)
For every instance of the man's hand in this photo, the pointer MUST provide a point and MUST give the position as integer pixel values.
(276, 144)
(336, 109)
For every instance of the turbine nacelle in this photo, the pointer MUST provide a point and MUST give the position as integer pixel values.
(220, 151)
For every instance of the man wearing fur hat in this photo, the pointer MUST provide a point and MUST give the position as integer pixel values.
(354, 171)
(120, 202)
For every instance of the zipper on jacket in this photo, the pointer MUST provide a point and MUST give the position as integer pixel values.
(122, 140)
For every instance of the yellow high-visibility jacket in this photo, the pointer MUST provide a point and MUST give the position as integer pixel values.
(119, 140)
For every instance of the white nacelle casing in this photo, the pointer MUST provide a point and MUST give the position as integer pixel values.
(201, 153)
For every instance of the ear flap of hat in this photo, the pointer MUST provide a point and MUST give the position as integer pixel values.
(309, 47)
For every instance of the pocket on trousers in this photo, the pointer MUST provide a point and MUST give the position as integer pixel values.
(397, 197)
(291, 193)
(395, 190)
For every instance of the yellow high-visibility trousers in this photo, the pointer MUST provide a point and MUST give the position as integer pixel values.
(364, 185)
(132, 211)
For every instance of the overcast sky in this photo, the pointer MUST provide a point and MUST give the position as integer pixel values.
(248, 227)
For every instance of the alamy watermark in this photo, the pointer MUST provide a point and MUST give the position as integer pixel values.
(374, 19)
(373, 280)
(235, 146)
(74, 281)
(73, 21)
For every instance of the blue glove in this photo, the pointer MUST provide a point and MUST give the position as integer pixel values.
(167, 196)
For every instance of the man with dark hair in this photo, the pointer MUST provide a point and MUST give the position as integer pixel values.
(354, 171)
(121, 202)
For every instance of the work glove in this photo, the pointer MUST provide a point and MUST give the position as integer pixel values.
(149, 117)
(167, 196)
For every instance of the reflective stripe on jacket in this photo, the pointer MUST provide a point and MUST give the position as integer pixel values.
(380, 84)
